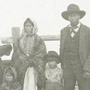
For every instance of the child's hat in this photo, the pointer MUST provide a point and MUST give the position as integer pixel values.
(52, 54)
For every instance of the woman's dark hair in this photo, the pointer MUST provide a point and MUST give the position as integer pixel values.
(28, 20)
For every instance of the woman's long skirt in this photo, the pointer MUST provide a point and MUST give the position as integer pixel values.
(30, 81)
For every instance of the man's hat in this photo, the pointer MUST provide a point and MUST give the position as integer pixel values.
(73, 9)
(52, 54)
(5, 50)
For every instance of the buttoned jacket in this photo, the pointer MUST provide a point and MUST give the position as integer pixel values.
(84, 46)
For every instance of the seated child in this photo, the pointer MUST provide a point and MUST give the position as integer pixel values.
(52, 72)
(9, 80)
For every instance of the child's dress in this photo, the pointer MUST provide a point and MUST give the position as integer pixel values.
(53, 79)
(10, 86)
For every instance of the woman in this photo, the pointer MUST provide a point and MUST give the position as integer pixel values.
(28, 53)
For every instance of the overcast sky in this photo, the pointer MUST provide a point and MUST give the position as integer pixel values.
(47, 14)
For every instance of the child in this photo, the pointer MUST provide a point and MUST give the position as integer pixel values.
(52, 72)
(5, 50)
(9, 80)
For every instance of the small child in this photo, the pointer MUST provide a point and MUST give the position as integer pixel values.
(9, 80)
(5, 50)
(52, 72)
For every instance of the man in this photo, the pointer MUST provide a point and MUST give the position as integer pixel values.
(75, 50)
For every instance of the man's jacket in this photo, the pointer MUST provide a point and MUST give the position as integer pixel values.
(84, 46)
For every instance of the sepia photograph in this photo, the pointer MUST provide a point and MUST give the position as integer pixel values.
(44, 45)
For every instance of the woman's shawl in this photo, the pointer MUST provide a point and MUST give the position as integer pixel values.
(35, 58)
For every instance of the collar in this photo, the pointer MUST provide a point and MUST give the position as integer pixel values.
(76, 30)
(77, 25)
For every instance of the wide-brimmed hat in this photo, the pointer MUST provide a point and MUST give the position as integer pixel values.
(52, 54)
(72, 9)
(5, 50)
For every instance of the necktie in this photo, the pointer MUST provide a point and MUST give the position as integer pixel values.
(72, 30)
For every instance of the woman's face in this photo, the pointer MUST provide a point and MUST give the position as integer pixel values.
(9, 77)
(28, 28)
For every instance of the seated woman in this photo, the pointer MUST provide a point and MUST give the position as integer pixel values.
(28, 56)
(10, 80)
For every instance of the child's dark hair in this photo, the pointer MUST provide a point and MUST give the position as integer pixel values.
(52, 54)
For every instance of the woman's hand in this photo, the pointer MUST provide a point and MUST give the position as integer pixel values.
(86, 75)
(24, 59)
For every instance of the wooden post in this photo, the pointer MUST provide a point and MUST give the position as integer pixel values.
(50, 37)
(15, 33)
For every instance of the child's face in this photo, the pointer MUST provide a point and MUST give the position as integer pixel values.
(9, 77)
(52, 63)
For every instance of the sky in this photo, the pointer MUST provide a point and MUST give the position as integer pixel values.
(46, 13)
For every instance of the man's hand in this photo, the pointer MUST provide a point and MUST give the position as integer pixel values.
(86, 75)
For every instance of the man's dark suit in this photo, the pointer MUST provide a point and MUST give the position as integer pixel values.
(84, 55)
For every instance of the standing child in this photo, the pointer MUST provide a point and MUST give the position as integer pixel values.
(52, 72)
(9, 80)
